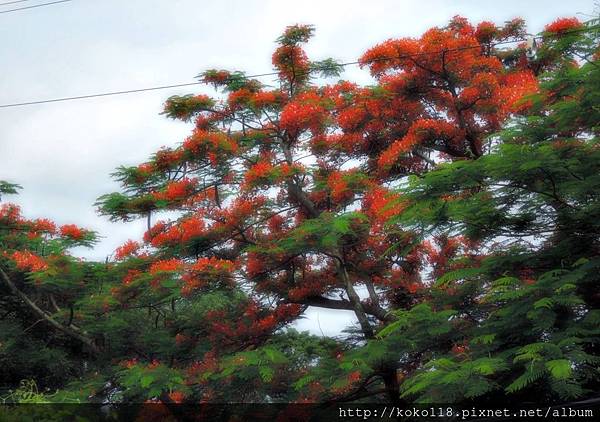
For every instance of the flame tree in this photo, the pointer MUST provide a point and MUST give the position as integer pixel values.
(42, 333)
(286, 196)
(450, 208)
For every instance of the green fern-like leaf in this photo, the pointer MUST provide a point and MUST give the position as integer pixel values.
(560, 369)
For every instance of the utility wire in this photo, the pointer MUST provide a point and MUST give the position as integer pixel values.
(156, 88)
(32, 7)
(104, 94)
(13, 2)
(259, 75)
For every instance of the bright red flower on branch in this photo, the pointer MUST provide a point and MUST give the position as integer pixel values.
(131, 276)
(27, 261)
(72, 231)
(304, 113)
(11, 213)
(43, 225)
(516, 87)
(168, 265)
(177, 190)
(126, 250)
(563, 25)
(257, 174)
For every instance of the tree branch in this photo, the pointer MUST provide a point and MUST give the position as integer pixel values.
(343, 304)
(66, 330)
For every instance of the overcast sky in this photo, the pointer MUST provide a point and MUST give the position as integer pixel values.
(63, 153)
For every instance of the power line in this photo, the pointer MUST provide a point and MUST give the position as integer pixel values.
(156, 88)
(32, 7)
(104, 94)
(13, 2)
(259, 75)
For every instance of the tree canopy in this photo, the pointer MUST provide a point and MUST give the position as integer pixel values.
(452, 207)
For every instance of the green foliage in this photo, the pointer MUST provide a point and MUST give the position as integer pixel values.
(121, 207)
(327, 68)
(7, 188)
(527, 322)
(327, 232)
(445, 380)
(25, 356)
(178, 107)
(296, 34)
(147, 382)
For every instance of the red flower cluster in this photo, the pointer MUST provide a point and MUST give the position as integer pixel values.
(444, 72)
(161, 235)
(209, 363)
(459, 349)
(400, 279)
(43, 225)
(563, 25)
(146, 168)
(239, 97)
(349, 143)
(380, 204)
(292, 63)
(167, 265)
(354, 376)
(131, 276)
(216, 77)
(27, 261)
(276, 223)
(127, 249)
(340, 190)
(177, 396)
(167, 158)
(287, 170)
(211, 145)
(11, 213)
(227, 328)
(213, 266)
(255, 265)
(238, 212)
(516, 86)
(262, 99)
(439, 256)
(482, 91)
(310, 287)
(190, 228)
(154, 231)
(205, 271)
(257, 174)
(269, 322)
(177, 190)
(72, 231)
(389, 54)
(130, 363)
(304, 113)
(351, 118)
(144, 171)
(421, 131)
(486, 32)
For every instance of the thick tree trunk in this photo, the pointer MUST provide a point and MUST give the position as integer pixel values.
(392, 387)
